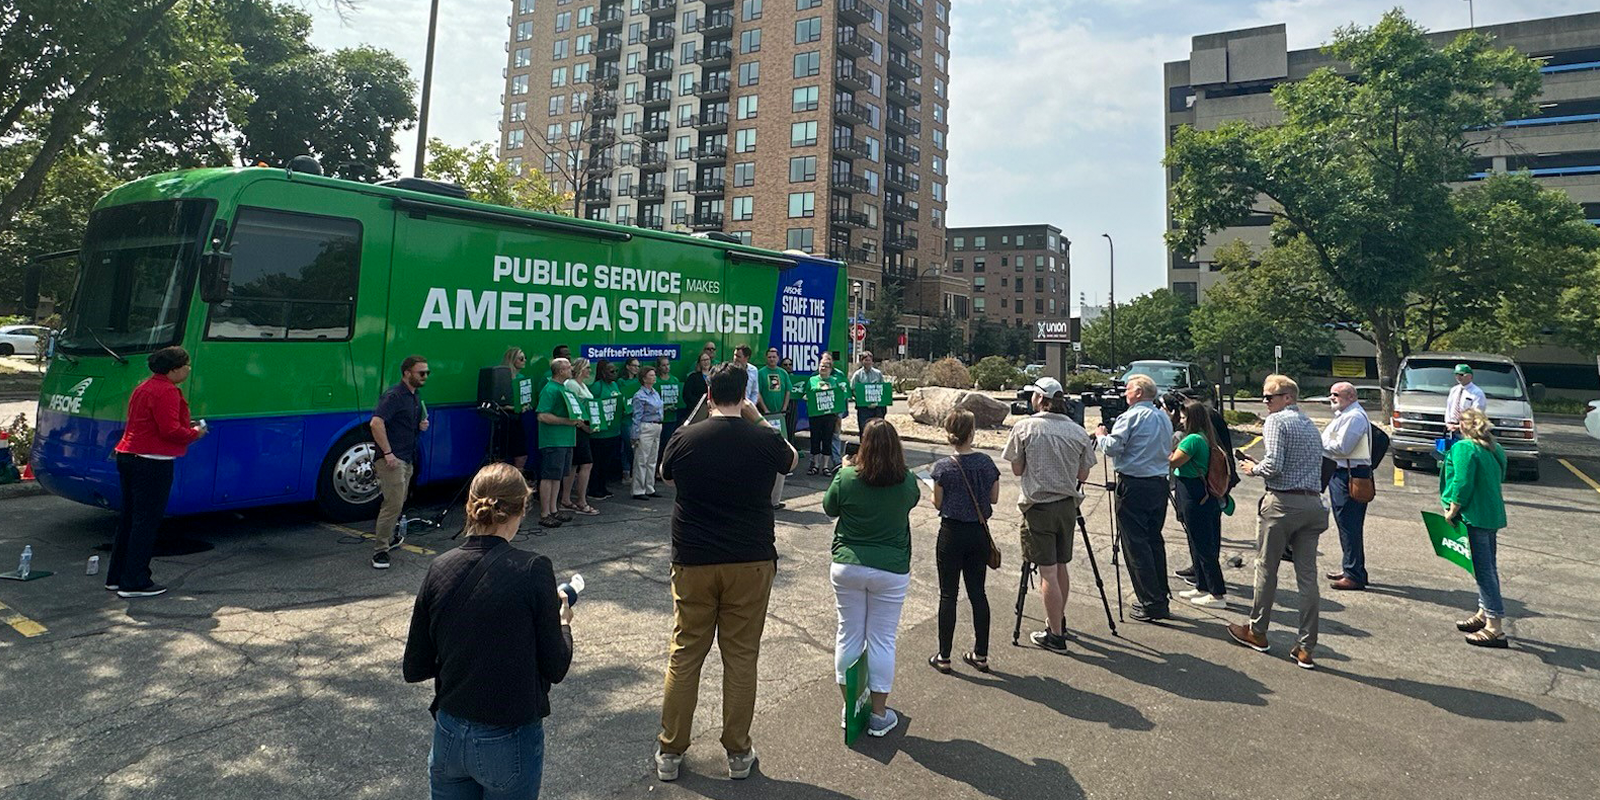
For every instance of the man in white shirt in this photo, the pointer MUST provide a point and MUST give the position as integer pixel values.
(1348, 441)
(1464, 395)
(752, 386)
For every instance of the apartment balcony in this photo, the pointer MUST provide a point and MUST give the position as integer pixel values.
(904, 241)
(625, 219)
(852, 44)
(850, 111)
(659, 97)
(660, 34)
(608, 17)
(655, 130)
(709, 154)
(600, 165)
(902, 63)
(660, 9)
(902, 181)
(653, 192)
(596, 194)
(607, 47)
(712, 89)
(706, 221)
(901, 92)
(714, 55)
(850, 219)
(898, 120)
(651, 160)
(904, 152)
(627, 191)
(711, 121)
(859, 12)
(605, 77)
(849, 184)
(901, 211)
(656, 66)
(851, 147)
(706, 187)
(905, 10)
(653, 222)
(902, 35)
(602, 106)
(848, 76)
(600, 135)
(854, 255)
(712, 24)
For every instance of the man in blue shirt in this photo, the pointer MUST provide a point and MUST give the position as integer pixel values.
(1138, 445)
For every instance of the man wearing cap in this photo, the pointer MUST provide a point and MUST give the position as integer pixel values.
(1464, 395)
(1138, 446)
(1047, 451)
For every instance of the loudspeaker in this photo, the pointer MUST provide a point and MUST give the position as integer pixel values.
(494, 386)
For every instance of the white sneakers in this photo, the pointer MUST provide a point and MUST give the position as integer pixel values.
(1190, 594)
(1208, 601)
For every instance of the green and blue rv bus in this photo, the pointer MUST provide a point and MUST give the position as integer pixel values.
(298, 295)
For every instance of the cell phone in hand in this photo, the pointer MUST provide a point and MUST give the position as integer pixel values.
(1240, 454)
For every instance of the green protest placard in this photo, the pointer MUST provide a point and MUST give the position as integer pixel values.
(824, 401)
(606, 418)
(671, 394)
(874, 395)
(776, 421)
(1449, 540)
(855, 687)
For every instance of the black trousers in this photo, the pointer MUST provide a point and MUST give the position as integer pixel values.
(1202, 521)
(1141, 512)
(822, 426)
(607, 455)
(146, 485)
(962, 553)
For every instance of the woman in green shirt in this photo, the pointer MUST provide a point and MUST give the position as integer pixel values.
(825, 401)
(1200, 513)
(872, 498)
(1469, 490)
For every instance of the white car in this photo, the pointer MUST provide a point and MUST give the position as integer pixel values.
(20, 340)
(1591, 422)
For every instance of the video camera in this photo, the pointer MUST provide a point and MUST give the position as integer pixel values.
(1108, 399)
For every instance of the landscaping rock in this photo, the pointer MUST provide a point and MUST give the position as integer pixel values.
(930, 405)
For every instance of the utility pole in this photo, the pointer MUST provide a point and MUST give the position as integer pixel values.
(1472, 16)
(1113, 310)
(427, 90)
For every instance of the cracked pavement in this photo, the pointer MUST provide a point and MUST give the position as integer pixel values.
(272, 669)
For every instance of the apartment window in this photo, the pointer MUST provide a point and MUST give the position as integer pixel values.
(979, 284)
(980, 265)
(744, 173)
(801, 239)
(977, 308)
(747, 106)
(1038, 263)
(519, 111)
(629, 120)
(808, 65)
(802, 5)
(558, 76)
(680, 179)
(750, 73)
(938, 87)
(1005, 261)
(873, 147)
(685, 115)
(523, 57)
(686, 84)
(519, 84)
(552, 134)
(940, 11)
(624, 214)
(525, 6)
(690, 18)
(563, 21)
(1038, 284)
(514, 163)
(958, 265)
(938, 192)
(750, 9)
(980, 243)
(1003, 303)
(805, 99)
(558, 105)
(938, 138)
(559, 51)
(802, 168)
(937, 165)
(580, 71)
(583, 44)
(585, 16)
(1038, 306)
(680, 146)
(744, 208)
(958, 243)
(750, 41)
(938, 113)
(514, 138)
(802, 204)
(524, 31)
(803, 134)
(744, 140)
(680, 212)
(808, 30)
(1004, 282)
(635, 30)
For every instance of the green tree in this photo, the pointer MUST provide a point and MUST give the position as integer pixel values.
(488, 179)
(55, 222)
(883, 320)
(987, 337)
(945, 337)
(1357, 170)
(1261, 305)
(995, 372)
(1152, 326)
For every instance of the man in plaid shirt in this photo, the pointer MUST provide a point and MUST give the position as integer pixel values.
(1290, 513)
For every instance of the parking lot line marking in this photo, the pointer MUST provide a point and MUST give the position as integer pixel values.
(21, 624)
(1253, 443)
(409, 548)
(1399, 477)
(1582, 477)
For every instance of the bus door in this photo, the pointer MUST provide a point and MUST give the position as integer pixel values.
(290, 359)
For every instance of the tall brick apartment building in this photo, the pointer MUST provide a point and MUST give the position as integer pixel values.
(817, 125)
(1018, 273)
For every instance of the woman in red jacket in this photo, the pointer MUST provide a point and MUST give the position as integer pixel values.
(158, 432)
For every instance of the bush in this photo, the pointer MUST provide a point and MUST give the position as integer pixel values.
(949, 372)
(1084, 381)
(1561, 405)
(906, 374)
(1244, 394)
(21, 439)
(995, 372)
(1239, 417)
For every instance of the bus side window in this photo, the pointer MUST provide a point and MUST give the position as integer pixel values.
(294, 278)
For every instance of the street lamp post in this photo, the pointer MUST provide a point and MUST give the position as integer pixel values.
(1113, 311)
(427, 90)
(855, 317)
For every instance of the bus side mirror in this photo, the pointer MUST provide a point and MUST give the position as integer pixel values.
(216, 275)
(30, 287)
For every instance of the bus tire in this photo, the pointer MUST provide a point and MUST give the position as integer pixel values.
(347, 485)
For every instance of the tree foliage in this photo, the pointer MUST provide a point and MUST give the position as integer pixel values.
(883, 321)
(996, 372)
(490, 180)
(945, 338)
(1260, 306)
(1152, 326)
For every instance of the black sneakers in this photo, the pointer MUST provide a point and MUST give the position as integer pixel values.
(380, 560)
(149, 591)
(1055, 643)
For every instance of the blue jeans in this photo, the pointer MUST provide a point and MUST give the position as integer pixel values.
(1351, 518)
(1486, 570)
(473, 761)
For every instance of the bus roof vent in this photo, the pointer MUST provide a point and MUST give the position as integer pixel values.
(426, 186)
(307, 164)
(719, 236)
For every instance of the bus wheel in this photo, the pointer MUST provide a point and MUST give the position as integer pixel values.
(347, 486)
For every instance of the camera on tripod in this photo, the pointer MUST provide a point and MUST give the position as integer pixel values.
(1108, 399)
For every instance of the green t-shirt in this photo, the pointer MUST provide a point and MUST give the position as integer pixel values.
(671, 390)
(874, 527)
(522, 393)
(1199, 451)
(826, 395)
(555, 399)
(775, 385)
(609, 395)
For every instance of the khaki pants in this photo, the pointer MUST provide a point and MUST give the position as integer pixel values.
(394, 481)
(726, 603)
(645, 450)
(1295, 520)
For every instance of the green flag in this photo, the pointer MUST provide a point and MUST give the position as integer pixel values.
(855, 687)
(1449, 540)
(874, 395)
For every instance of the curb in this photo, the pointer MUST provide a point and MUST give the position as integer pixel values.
(23, 489)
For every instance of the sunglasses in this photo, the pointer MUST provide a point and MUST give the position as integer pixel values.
(423, 373)
(1270, 396)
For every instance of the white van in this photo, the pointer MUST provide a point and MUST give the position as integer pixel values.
(1424, 385)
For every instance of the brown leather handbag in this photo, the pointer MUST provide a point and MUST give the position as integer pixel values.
(994, 552)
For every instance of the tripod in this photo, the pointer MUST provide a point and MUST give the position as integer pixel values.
(491, 455)
(1029, 568)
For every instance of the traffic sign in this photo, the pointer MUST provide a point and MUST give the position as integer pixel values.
(858, 332)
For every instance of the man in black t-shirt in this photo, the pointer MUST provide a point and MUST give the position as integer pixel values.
(723, 562)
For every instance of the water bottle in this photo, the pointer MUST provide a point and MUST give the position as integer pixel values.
(25, 566)
(572, 588)
(93, 567)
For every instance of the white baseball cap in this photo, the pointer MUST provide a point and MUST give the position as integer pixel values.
(1049, 387)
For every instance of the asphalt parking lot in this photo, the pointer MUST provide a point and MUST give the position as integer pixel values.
(272, 669)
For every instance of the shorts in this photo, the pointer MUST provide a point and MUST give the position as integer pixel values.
(554, 463)
(1047, 532)
(582, 453)
(513, 438)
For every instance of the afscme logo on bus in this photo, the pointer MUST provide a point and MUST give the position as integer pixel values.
(70, 402)
(498, 309)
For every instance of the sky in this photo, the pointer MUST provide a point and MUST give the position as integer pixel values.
(1055, 105)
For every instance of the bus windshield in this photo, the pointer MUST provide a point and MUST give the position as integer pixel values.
(1497, 380)
(137, 266)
